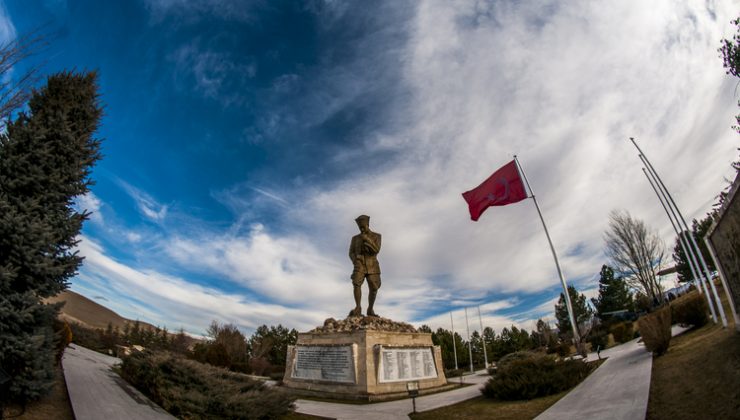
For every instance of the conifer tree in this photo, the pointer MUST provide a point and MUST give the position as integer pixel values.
(46, 155)
(581, 311)
(614, 294)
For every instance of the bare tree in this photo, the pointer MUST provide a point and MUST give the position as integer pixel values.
(15, 91)
(636, 251)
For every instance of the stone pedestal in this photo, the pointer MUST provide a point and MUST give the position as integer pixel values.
(363, 364)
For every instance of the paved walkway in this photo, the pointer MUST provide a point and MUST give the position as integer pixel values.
(618, 389)
(394, 410)
(96, 392)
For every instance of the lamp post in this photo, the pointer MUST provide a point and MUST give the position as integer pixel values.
(413, 389)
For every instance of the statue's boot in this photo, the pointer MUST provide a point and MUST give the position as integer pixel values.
(370, 312)
(356, 312)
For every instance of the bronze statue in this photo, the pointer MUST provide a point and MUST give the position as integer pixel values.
(363, 251)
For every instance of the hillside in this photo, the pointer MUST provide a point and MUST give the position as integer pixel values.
(79, 309)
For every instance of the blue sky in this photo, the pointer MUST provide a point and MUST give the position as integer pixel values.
(242, 138)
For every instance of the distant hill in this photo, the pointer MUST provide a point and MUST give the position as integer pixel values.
(79, 309)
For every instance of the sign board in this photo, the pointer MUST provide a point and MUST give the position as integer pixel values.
(324, 363)
(406, 364)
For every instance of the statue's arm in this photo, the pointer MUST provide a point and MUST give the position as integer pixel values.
(352, 255)
(370, 242)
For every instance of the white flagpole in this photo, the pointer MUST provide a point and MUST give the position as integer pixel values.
(690, 254)
(482, 338)
(568, 304)
(470, 344)
(690, 234)
(454, 342)
(722, 277)
(682, 240)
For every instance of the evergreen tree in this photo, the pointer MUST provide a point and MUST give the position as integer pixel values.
(700, 229)
(614, 294)
(46, 156)
(581, 312)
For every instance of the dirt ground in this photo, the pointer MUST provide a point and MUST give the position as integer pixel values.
(54, 406)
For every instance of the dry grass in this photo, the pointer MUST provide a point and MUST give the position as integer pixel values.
(699, 376)
(485, 408)
(53, 406)
(84, 311)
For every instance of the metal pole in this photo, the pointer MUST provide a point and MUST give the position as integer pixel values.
(682, 240)
(470, 344)
(482, 338)
(691, 236)
(690, 255)
(723, 278)
(454, 342)
(568, 304)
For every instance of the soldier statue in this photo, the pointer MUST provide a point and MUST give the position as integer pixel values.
(363, 251)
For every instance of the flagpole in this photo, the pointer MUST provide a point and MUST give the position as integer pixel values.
(454, 342)
(722, 277)
(482, 338)
(690, 253)
(470, 344)
(568, 304)
(682, 241)
(698, 254)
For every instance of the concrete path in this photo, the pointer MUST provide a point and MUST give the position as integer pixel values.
(96, 392)
(394, 410)
(618, 389)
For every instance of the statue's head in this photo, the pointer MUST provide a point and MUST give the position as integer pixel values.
(363, 222)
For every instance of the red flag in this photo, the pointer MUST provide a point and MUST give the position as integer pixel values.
(502, 188)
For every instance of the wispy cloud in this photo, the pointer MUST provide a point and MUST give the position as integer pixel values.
(147, 205)
(214, 74)
(7, 29)
(190, 11)
(419, 111)
(91, 203)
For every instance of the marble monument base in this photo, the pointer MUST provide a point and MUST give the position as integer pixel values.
(363, 364)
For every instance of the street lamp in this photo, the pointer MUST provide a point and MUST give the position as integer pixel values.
(413, 389)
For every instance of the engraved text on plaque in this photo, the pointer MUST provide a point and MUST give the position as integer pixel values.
(324, 363)
(406, 364)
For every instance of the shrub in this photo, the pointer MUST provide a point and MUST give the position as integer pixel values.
(598, 339)
(622, 332)
(189, 389)
(451, 373)
(63, 337)
(536, 376)
(655, 329)
(517, 355)
(690, 310)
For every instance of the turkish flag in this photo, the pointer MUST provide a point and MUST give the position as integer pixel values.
(504, 187)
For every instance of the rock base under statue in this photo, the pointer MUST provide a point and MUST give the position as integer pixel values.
(369, 359)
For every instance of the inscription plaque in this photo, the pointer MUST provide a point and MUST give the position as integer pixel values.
(324, 363)
(406, 364)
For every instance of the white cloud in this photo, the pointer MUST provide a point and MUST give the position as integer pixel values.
(172, 301)
(147, 205)
(91, 203)
(562, 85)
(7, 29)
(212, 74)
